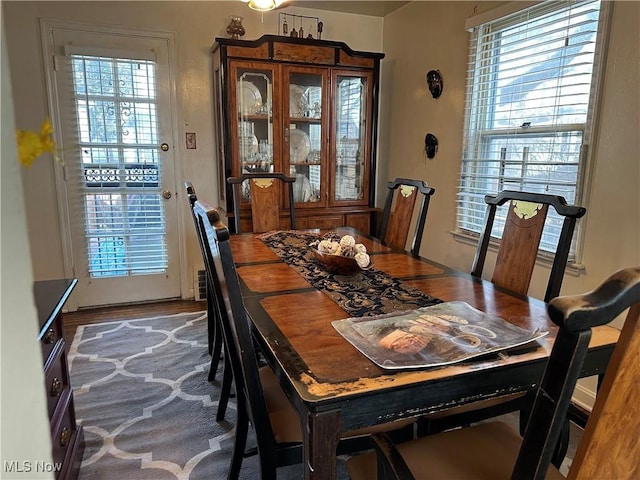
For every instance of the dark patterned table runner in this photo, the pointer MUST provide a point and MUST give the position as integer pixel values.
(368, 292)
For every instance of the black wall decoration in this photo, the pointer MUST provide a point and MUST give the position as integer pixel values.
(430, 145)
(434, 81)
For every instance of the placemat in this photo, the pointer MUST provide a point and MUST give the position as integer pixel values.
(368, 292)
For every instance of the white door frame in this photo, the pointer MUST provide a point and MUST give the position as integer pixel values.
(47, 25)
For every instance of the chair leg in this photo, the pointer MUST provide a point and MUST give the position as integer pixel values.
(242, 428)
(525, 411)
(225, 391)
(216, 352)
(211, 319)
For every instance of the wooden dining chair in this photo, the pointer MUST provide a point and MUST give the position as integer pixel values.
(261, 402)
(515, 261)
(214, 326)
(518, 250)
(609, 447)
(264, 192)
(213, 336)
(398, 211)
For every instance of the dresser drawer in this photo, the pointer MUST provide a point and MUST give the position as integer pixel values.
(56, 378)
(50, 338)
(67, 438)
(64, 431)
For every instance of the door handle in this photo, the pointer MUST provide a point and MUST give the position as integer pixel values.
(166, 194)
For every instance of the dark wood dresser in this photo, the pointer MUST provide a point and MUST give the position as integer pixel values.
(67, 440)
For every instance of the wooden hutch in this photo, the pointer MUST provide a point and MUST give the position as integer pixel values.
(307, 108)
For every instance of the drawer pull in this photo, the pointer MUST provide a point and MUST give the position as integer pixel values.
(50, 336)
(56, 387)
(65, 436)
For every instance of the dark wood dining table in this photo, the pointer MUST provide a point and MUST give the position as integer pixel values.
(335, 388)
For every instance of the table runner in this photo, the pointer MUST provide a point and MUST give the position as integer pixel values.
(368, 292)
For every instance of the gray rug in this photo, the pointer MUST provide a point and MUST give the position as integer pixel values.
(148, 412)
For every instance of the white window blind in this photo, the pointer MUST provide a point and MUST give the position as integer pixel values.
(117, 170)
(529, 105)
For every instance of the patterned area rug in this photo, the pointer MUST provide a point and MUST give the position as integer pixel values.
(148, 412)
(368, 292)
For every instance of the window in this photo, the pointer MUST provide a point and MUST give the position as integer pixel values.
(118, 138)
(529, 108)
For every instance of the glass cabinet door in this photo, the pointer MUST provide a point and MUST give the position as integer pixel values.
(351, 111)
(305, 107)
(255, 129)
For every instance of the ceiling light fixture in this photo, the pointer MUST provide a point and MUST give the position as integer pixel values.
(263, 5)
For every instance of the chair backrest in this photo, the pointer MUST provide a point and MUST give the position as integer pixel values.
(213, 308)
(398, 211)
(264, 191)
(609, 447)
(192, 199)
(521, 237)
(239, 345)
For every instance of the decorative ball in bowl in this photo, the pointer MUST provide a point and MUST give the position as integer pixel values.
(341, 257)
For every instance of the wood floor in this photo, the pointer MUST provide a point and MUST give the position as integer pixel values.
(126, 312)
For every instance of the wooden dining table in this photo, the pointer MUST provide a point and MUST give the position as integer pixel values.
(335, 388)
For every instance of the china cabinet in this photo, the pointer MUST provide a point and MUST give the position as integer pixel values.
(306, 108)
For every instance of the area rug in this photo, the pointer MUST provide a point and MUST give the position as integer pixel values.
(148, 412)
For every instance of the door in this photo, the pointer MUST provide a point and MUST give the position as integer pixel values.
(114, 100)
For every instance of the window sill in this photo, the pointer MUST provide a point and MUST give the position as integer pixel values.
(574, 269)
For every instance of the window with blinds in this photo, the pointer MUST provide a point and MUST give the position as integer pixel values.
(118, 169)
(529, 105)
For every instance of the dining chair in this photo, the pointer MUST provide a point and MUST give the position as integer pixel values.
(398, 211)
(521, 236)
(213, 337)
(261, 402)
(214, 325)
(609, 447)
(264, 195)
(523, 228)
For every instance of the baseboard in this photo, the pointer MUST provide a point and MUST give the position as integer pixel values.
(584, 397)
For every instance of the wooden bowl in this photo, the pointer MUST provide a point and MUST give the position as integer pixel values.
(337, 264)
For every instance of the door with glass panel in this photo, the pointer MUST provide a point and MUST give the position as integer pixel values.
(305, 138)
(351, 147)
(114, 101)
